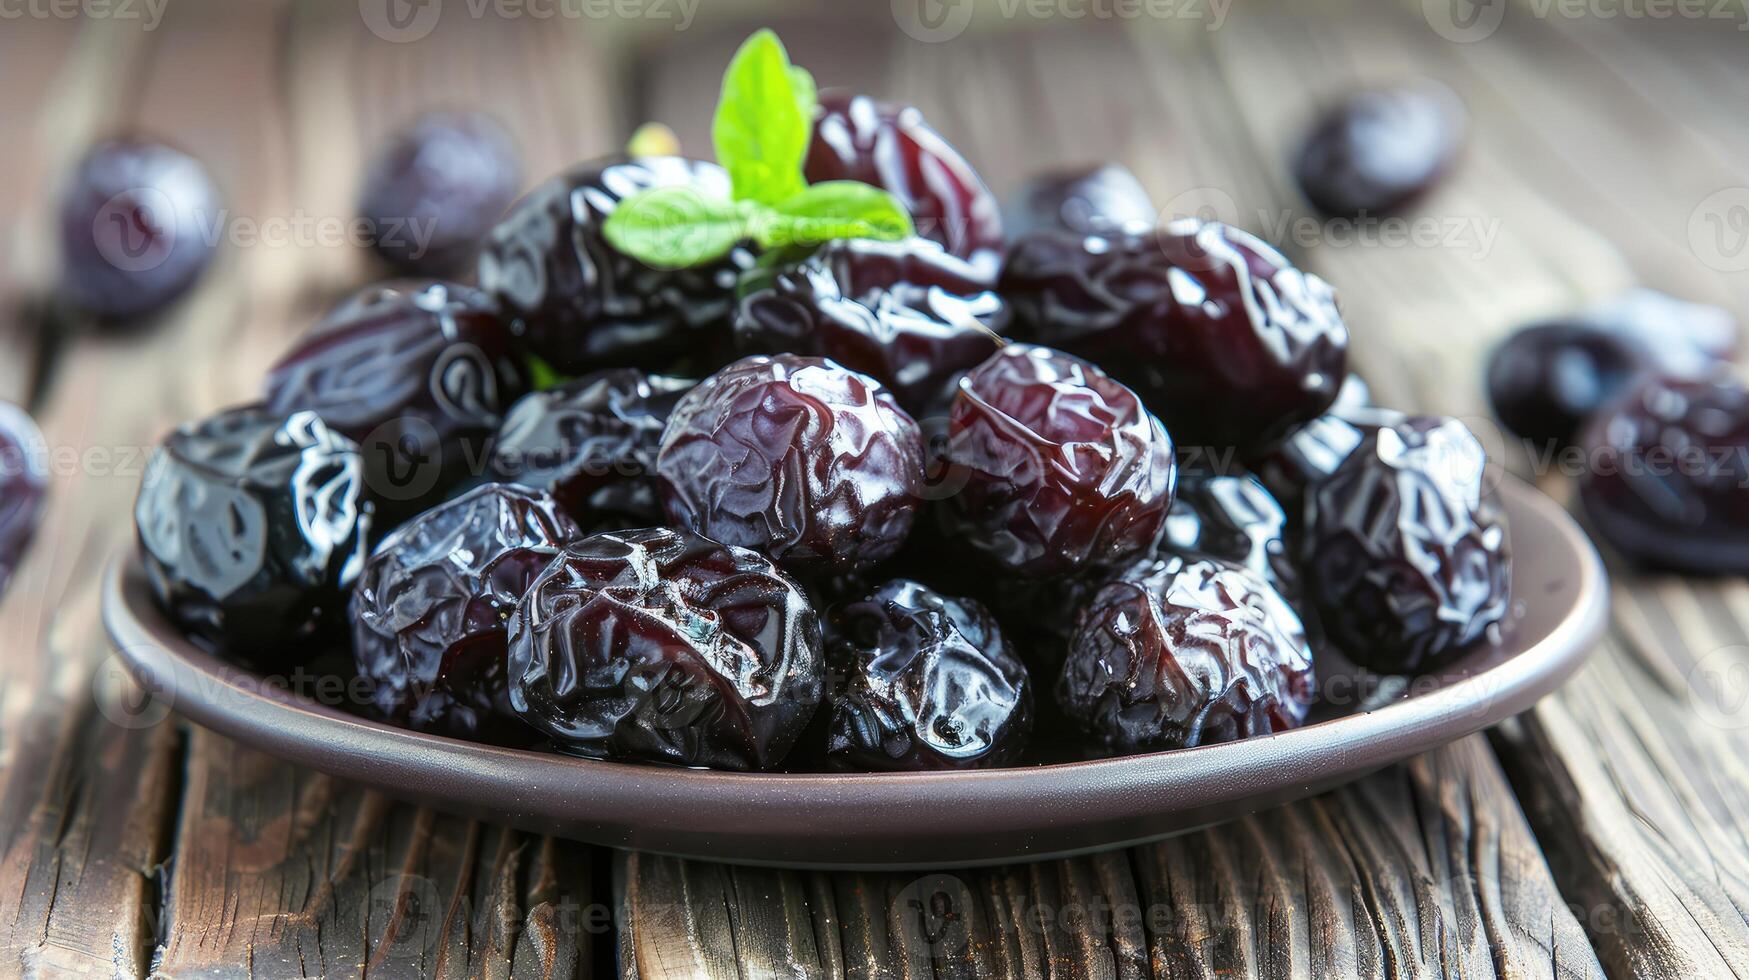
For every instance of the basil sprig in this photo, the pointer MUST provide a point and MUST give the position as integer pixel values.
(762, 127)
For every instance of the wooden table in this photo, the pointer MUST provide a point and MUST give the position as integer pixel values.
(1606, 832)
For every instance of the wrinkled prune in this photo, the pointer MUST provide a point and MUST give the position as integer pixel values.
(577, 302)
(1666, 472)
(429, 609)
(923, 681)
(437, 188)
(136, 220)
(1355, 393)
(661, 645)
(1183, 651)
(591, 442)
(1406, 553)
(891, 147)
(1225, 340)
(1231, 516)
(252, 525)
(418, 372)
(1062, 468)
(796, 457)
(1687, 340)
(1314, 451)
(905, 313)
(24, 483)
(1094, 200)
(1378, 150)
(1544, 381)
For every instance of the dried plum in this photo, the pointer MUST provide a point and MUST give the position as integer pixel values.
(1231, 516)
(1092, 200)
(1544, 381)
(1314, 451)
(1379, 150)
(252, 524)
(1062, 468)
(437, 188)
(923, 681)
(795, 457)
(429, 609)
(664, 646)
(24, 485)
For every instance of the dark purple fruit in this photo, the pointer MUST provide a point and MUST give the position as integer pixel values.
(1406, 553)
(891, 147)
(437, 188)
(1687, 340)
(139, 223)
(1231, 516)
(1314, 451)
(1225, 340)
(1183, 651)
(1062, 468)
(24, 485)
(1667, 472)
(1544, 381)
(591, 442)
(1379, 150)
(663, 646)
(253, 524)
(923, 681)
(795, 457)
(429, 610)
(1093, 200)
(418, 372)
(905, 313)
(578, 303)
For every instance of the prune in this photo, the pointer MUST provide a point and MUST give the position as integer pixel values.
(906, 313)
(665, 646)
(1354, 393)
(429, 609)
(1092, 200)
(418, 372)
(1314, 451)
(891, 147)
(1544, 381)
(136, 223)
(1687, 340)
(1184, 651)
(591, 442)
(796, 457)
(1062, 468)
(1406, 554)
(437, 188)
(1379, 150)
(923, 681)
(1226, 341)
(1231, 516)
(1666, 472)
(24, 483)
(252, 525)
(580, 304)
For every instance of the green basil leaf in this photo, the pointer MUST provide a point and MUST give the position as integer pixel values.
(834, 209)
(760, 130)
(807, 96)
(675, 227)
(542, 375)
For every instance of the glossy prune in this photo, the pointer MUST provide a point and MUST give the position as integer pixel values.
(891, 147)
(1687, 340)
(429, 609)
(1231, 516)
(580, 304)
(137, 223)
(252, 526)
(1181, 652)
(906, 313)
(437, 188)
(923, 681)
(1224, 339)
(1379, 150)
(1093, 200)
(1406, 553)
(1062, 468)
(1544, 381)
(665, 646)
(795, 457)
(591, 442)
(1667, 468)
(1313, 451)
(24, 485)
(418, 372)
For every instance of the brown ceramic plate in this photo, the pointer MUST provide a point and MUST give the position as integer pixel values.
(888, 820)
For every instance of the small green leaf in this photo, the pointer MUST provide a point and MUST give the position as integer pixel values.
(542, 375)
(807, 95)
(761, 130)
(834, 209)
(675, 227)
